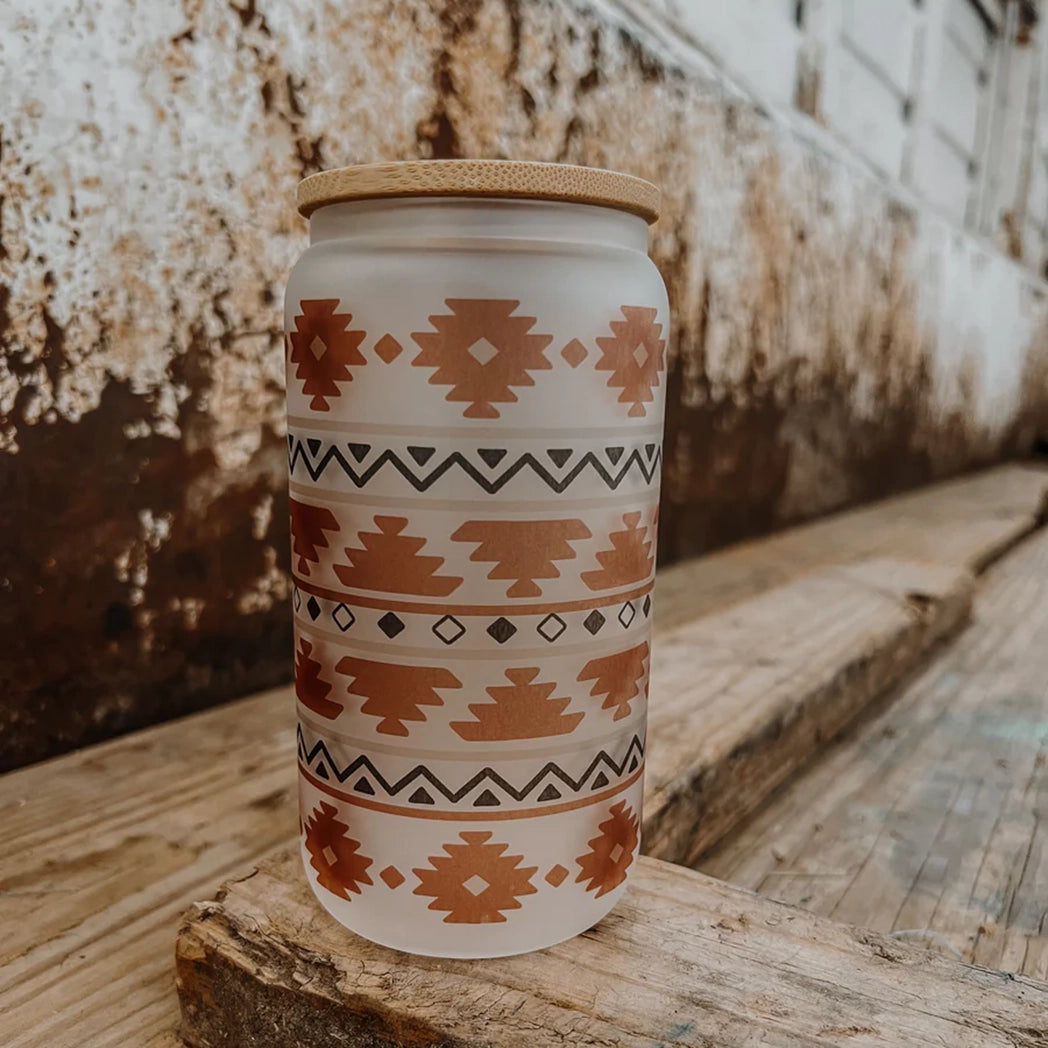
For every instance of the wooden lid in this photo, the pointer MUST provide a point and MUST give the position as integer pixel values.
(481, 178)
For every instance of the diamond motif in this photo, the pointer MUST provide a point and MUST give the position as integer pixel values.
(640, 355)
(551, 627)
(388, 349)
(574, 353)
(392, 877)
(343, 617)
(313, 608)
(647, 605)
(594, 622)
(475, 885)
(449, 629)
(555, 876)
(298, 598)
(627, 614)
(390, 625)
(482, 351)
(501, 630)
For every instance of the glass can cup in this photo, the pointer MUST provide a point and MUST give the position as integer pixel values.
(475, 383)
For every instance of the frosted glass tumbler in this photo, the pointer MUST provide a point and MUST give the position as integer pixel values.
(475, 381)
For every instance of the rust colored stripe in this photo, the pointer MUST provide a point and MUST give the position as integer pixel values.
(471, 816)
(471, 609)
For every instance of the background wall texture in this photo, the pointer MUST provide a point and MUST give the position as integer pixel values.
(835, 339)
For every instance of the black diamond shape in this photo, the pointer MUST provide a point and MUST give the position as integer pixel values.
(614, 454)
(492, 456)
(298, 598)
(600, 780)
(314, 445)
(627, 613)
(647, 605)
(501, 630)
(448, 629)
(421, 455)
(594, 622)
(390, 625)
(487, 800)
(358, 451)
(313, 608)
(551, 627)
(559, 455)
(343, 617)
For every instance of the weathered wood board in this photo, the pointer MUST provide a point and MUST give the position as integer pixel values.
(742, 698)
(928, 821)
(683, 960)
(101, 850)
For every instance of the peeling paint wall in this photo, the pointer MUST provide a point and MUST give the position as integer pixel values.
(834, 341)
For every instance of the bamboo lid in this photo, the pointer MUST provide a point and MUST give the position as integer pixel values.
(481, 178)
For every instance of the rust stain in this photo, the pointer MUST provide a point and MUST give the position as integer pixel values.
(143, 530)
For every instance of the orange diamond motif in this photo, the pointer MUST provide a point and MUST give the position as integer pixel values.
(556, 875)
(475, 881)
(611, 853)
(324, 350)
(388, 348)
(392, 877)
(574, 353)
(481, 349)
(334, 854)
(634, 356)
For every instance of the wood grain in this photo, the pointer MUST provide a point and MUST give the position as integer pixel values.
(507, 179)
(101, 850)
(683, 960)
(967, 522)
(741, 699)
(929, 820)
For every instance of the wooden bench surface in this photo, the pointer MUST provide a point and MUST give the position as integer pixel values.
(101, 850)
(683, 960)
(930, 820)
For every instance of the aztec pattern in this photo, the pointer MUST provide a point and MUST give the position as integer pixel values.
(474, 507)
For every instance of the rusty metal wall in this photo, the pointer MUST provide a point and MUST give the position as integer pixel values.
(834, 341)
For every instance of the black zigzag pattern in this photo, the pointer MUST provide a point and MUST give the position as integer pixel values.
(312, 756)
(315, 462)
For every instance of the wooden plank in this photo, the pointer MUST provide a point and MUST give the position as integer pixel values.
(741, 699)
(967, 522)
(101, 850)
(928, 820)
(683, 960)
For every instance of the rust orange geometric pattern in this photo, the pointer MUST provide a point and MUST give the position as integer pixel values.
(523, 709)
(611, 852)
(475, 882)
(634, 355)
(340, 866)
(323, 350)
(396, 693)
(481, 351)
(473, 518)
(522, 550)
(619, 677)
(392, 562)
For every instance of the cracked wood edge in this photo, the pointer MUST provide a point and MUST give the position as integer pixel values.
(684, 960)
